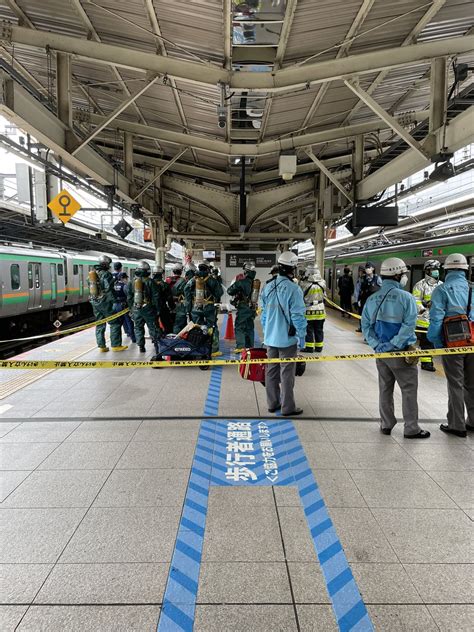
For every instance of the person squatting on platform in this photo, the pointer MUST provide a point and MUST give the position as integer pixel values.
(451, 319)
(388, 324)
(245, 292)
(422, 292)
(144, 303)
(313, 288)
(103, 298)
(284, 324)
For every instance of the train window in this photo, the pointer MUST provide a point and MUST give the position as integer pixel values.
(60, 269)
(54, 282)
(37, 276)
(30, 276)
(75, 269)
(15, 276)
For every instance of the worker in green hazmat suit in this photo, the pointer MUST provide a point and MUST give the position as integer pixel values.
(181, 312)
(242, 291)
(144, 303)
(201, 293)
(102, 297)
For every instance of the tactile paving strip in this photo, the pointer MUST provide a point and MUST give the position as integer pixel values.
(28, 377)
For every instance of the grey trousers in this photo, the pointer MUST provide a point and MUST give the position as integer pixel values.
(459, 371)
(280, 379)
(393, 370)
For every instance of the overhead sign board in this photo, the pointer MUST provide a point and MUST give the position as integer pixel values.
(64, 206)
(123, 228)
(261, 260)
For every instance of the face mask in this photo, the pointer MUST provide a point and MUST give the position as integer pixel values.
(435, 274)
(403, 280)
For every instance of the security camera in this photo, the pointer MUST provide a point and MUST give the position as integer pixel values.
(221, 116)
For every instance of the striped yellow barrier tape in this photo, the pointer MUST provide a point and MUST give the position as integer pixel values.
(336, 306)
(142, 364)
(73, 330)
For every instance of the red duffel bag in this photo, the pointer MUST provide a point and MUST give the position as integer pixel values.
(253, 372)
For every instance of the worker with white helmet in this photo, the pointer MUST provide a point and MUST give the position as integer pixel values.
(452, 324)
(313, 288)
(388, 324)
(422, 292)
(284, 324)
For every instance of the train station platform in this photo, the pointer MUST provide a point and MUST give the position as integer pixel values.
(140, 499)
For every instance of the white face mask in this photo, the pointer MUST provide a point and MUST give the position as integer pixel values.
(403, 280)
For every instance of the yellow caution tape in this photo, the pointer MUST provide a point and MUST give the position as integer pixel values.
(73, 330)
(142, 364)
(336, 306)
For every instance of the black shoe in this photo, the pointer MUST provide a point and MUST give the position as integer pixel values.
(457, 433)
(469, 428)
(428, 367)
(423, 434)
(298, 411)
(273, 410)
(142, 349)
(386, 431)
(359, 330)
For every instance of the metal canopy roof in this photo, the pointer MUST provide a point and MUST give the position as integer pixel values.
(282, 66)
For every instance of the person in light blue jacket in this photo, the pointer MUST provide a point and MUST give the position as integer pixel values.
(388, 324)
(451, 299)
(283, 310)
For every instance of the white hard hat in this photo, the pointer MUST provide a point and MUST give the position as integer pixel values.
(288, 258)
(432, 264)
(393, 266)
(456, 261)
(248, 266)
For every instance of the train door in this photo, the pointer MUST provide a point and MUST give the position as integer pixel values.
(66, 280)
(54, 284)
(35, 285)
(416, 274)
(81, 280)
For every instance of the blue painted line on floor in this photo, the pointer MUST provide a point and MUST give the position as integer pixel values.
(210, 467)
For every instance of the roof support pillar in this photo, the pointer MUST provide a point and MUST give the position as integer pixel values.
(330, 176)
(319, 225)
(438, 101)
(385, 116)
(358, 158)
(64, 95)
(118, 110)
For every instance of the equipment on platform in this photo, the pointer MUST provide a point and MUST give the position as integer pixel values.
(255, 292)
(138, 292)
(256, 372)
(94, 285)
(200, 285)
